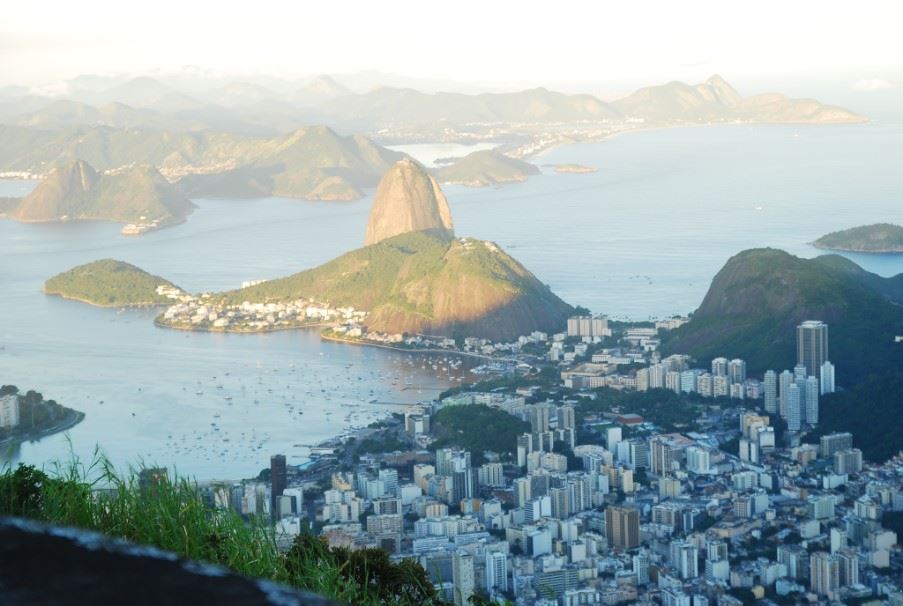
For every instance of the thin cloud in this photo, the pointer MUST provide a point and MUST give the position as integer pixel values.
(871, 84)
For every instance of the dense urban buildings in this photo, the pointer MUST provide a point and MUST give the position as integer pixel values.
(590, 503)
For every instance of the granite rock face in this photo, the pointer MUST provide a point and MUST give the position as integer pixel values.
(407, 199)
(48, 565)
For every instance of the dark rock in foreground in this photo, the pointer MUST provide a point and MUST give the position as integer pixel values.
(43, 565)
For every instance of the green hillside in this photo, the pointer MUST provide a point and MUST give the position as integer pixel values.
(108, 283)
(876, 238)
(485, 167)
(76, 191)
(760, 295)
(426, 282)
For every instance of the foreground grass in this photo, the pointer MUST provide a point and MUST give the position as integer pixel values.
(169, 513)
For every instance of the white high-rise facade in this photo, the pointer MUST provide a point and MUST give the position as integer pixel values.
(496, 572)
(826, 378)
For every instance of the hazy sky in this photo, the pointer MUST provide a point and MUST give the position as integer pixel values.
(482, 41)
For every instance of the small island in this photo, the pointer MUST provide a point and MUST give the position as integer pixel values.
(876, 238)
(29, 416)
(111, 283)
(577, 169)
(486, 167)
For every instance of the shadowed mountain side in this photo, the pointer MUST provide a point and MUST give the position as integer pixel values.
(759, 297)
(425, 282)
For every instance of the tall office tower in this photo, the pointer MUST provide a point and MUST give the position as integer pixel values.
(799, 372)
(278, 481)
(784, 381)
(462, 577)
(812, 401)
(812, 346)
(824, 573)
(622, 527)
(719, 367)
(771, 392)
(496, 572)
(794, 408)
(826, 378)
(736, 371)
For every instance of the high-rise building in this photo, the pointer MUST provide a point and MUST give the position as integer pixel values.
(826, 378)
(540, 416)
(770, 384)
(812, 391)
(524, 447)
(566, 417)
(848, 461)
(9, 410)
(736, 371)
(672, 381)
(278, 482)
(622, 527)
(462, 577)
(824, 573)
(496, 575)
(721, 386)
(794, 408)
(812, 346)
(784, 381)
(641, 568)
(833, 442)
(719, 367)
(685, 559)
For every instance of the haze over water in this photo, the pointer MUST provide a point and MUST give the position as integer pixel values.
(641, 237)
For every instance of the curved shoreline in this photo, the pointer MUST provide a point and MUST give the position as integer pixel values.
(159, 324)
(411, 350)
(890, 251)
(101, 305)
(34, 436)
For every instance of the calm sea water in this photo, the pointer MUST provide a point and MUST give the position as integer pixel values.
(642, 237)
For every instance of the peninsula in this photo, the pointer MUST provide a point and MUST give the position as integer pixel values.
(875, 238)
(413, 276)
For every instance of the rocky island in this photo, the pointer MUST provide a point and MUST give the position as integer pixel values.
(876, 238)
(111, 283)
(136, 195)
(486, 167)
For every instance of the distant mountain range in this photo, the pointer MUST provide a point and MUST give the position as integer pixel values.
(75, 191)
(252, 108)
(761, 295)
(717, 101)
